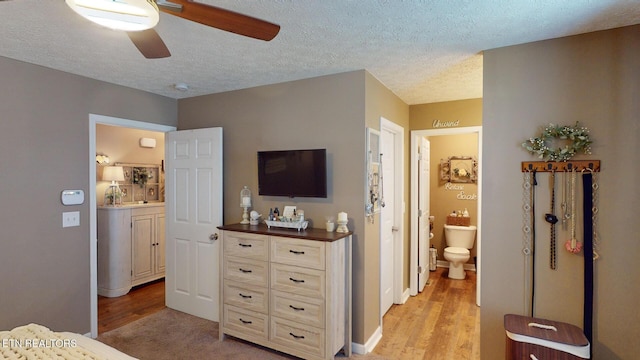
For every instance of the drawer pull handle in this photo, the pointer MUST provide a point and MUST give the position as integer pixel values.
(245, 271)
(245, 321)
(244, 296)
(296, 308)
(296, 280)
(245, 245)
(296, 252)
(297, 336)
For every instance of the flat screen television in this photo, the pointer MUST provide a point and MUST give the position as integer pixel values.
(293, 173)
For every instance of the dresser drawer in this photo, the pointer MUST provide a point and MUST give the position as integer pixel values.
(302, 309)
(298, 280)
(297, 336)
(249, 246)
(247, 297)
(307, 253)
(246, 322)
(247, 272)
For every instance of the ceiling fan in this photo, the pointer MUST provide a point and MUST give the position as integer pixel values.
(138, 17)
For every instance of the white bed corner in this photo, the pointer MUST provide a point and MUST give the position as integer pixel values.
(39, 342)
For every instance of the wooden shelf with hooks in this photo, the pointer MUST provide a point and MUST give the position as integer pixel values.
(561, 166)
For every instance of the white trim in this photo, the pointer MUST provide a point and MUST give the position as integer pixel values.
(369, 345)
(93, 228)
(398, 250)
(405, 295)
(413, 256)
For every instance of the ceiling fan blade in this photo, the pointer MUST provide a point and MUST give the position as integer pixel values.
(221, 19)
(149, 43)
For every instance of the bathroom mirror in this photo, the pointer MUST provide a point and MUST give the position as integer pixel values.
(459, 169)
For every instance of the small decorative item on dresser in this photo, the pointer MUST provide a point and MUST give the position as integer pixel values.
(254, 218)
(245, 203)
(342, 222)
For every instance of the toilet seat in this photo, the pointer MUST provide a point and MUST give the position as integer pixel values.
(457, 250)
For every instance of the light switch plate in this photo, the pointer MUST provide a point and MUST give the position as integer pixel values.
(70, 218)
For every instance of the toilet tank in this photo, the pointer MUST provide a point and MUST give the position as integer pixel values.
(460, 236)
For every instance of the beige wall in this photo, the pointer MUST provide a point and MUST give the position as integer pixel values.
(324, 112)
(44, 149)
(591, 78)
(461, 112)
(381, 102)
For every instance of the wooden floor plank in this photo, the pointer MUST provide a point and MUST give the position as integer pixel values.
(442, 322)
(141, 301)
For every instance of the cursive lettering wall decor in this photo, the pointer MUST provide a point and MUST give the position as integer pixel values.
(445, 124)
(461, 195)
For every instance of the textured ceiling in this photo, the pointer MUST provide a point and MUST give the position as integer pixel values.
(423, 50)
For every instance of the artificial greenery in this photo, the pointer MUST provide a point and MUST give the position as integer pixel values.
(576, 140)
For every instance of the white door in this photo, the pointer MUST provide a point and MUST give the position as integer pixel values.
(387, 219)
(423, 213)
(194, 211)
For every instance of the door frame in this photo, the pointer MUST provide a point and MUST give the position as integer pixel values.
(95, 119)
(413, 261)
(398, 239)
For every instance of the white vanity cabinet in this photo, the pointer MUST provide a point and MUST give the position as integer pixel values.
(130, 247)
(287, 290)
(147, 244)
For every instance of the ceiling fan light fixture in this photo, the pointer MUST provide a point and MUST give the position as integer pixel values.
(127, 15)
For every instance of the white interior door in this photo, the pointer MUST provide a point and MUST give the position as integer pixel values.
(387, 219)
(423, 213)
(193, 185)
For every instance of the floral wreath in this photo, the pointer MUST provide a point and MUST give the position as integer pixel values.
(578, 135)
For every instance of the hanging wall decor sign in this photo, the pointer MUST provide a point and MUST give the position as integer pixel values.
(560, 142)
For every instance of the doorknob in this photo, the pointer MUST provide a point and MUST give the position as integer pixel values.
(213, 237)
(395, 228)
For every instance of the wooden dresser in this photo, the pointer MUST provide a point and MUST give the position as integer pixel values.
(287, 290)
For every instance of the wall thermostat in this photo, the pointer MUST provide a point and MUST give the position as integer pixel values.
(72, 197)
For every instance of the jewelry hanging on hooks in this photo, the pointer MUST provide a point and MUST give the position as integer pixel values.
(594, 216)
(552, 219)
(573, 245)
(563, 204)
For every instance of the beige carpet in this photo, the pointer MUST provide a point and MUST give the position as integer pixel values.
(170, 334)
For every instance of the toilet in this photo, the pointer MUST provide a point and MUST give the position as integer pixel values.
(459, 240)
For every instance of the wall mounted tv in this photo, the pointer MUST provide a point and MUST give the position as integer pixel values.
(293, 173)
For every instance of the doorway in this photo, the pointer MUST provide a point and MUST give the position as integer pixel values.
(391, 214)
(93, 245)
(416, 135)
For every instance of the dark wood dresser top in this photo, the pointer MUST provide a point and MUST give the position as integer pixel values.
(309, 233)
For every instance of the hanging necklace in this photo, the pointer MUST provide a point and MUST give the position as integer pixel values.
(527, 229)
(552, 219)
(563, 205)
(594, 216)
(572, 245)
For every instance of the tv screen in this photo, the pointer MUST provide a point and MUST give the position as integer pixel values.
(293, 173)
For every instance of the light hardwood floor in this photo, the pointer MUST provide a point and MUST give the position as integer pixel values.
(442, 322)
(141, 301)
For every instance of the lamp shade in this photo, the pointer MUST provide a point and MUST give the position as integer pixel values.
(113, 173)
(128, 15)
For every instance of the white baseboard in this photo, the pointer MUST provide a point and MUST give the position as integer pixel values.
(406, 295)
(369, 345)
